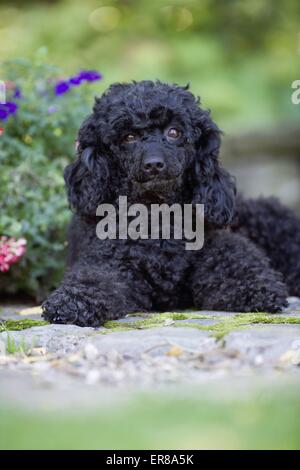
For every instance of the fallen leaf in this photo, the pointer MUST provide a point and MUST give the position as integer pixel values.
(175, 351)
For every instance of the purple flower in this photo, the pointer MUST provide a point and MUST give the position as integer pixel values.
(75, 81)
(3, 113)
(90, 75)
(17, 94)
(7, 109)
(52, 109)
(61, 88)
(11, 107)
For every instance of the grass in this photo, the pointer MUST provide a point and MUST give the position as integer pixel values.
(13, 347)
(264, 421)
(20, 346)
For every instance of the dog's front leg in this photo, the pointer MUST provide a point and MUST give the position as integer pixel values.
(231, 274)
(88, 296)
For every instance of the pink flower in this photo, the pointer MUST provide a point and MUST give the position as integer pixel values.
(11, 250)
(10, 85)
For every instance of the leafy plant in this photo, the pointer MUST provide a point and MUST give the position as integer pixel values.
(38, 130)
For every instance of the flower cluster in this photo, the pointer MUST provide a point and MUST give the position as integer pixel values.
(11, 250)
(7, 109)
(63, 86)
(10, 107)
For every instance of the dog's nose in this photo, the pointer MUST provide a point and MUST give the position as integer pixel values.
(153, 165)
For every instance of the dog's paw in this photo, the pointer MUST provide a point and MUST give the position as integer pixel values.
(270, 299)
(63, 308)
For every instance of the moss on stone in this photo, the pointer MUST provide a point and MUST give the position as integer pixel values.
(179, 316)
(152, 320)
(222, 326)
(242, 320)
(17, 325)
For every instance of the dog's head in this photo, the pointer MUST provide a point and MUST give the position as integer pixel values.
(153, 143)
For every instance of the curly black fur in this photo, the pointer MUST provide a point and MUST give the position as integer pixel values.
(251, 270)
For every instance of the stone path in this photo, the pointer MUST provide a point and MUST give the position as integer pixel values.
(149, 352)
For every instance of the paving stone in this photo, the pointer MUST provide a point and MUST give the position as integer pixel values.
(214, 313)
(196, 321)
(131, 319)
(54, 338)
(263, 345)
(156, 339)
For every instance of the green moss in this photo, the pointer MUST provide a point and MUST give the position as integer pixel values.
(242, 320)
(267, 318)
(113, 326)
(179, 316)
(198, 326)
(225, 325)
(222, 326)
(17, 325)
(152, 320)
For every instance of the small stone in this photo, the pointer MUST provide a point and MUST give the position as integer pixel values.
(90, 352)
(114, 357)
(92, 377)
(290, 357)
(74, 358)
(258, 360)
(168, 322)
(38, 351)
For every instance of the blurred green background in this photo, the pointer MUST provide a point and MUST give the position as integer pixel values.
(265, 419)
(240, 57)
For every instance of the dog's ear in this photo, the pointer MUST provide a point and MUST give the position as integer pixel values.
(88, 178)
(213, 185)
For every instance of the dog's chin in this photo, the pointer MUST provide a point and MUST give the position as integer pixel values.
(157, 191)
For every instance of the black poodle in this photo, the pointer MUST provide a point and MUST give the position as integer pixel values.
(153, 143)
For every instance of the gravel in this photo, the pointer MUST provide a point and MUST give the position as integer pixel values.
(69, 360)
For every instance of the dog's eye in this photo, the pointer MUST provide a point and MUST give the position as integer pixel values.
(173, 133)
(130, 138)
